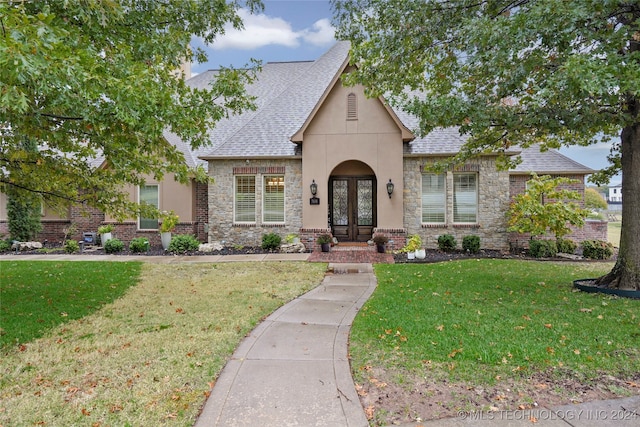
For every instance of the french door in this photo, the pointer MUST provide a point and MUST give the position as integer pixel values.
(352, 208)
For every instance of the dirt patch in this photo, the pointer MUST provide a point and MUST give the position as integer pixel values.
(401, 397)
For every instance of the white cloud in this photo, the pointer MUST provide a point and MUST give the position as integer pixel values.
(261, 30)
(321, 33)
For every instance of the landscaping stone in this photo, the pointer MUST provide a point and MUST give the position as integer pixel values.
(292, 248)
(26, 246)
(210, 247)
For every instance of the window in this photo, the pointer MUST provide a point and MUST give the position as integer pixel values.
(352, 107)
(433, 198)
(273, 199)
(245, 199)
(465, 197)
(148, 194)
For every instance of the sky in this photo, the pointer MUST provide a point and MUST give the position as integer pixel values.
(301, 30)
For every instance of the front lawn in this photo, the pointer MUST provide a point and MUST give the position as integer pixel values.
(148, 358)
(477, 324)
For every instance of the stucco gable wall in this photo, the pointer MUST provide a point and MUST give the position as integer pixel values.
(493, 202)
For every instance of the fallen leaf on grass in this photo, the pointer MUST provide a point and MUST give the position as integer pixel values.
(369, 411)
(440, 327)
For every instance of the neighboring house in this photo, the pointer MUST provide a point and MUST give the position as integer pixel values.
(615, 194)
(366, 166)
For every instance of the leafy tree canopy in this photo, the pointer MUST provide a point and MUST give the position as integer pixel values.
(521, 72)
(594, 200)
(94, 80)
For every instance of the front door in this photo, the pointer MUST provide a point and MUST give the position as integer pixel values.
(352, 209)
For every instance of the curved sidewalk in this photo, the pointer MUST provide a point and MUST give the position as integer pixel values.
(293, 369)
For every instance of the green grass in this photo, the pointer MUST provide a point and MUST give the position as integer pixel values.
(37, 296)
(613, 233)
(150, 357)
(478, 320)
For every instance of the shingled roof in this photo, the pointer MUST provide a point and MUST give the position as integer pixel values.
(286, 95)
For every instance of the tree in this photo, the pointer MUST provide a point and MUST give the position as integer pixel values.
(96, 80)
(594, 200)
(512, 73)
(24, 208)
(546, 207)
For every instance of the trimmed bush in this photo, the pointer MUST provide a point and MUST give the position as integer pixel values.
(597, 249)
(183, 243)
(113, 246)
(271, 241)
(447, 243)
(139, 244)
(566, 246)
(5, 246)
(543, 248)
(471, 244)
(71, 246)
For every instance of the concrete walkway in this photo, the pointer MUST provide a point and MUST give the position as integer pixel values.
(293, 369)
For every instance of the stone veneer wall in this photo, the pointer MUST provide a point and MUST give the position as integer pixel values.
(493, 202)
(222, 228)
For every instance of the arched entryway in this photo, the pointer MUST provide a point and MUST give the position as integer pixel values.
(352, 202)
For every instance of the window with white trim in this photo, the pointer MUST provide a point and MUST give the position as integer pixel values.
(273, 199)
(465, 197)
(433, 198)
(244, 204)
(149, 194)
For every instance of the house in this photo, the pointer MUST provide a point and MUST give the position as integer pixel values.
(615, 194)
(317, 157)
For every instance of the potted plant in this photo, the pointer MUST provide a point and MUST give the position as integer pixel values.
(105, 233)
(414, 244)
(169, 221)
(324, 240)
(380, 240)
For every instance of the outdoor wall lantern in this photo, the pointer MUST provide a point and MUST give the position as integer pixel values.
(389, 187)
(314, 190)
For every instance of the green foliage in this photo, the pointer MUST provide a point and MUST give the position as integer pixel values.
(545, 207)
(447, 243)
(597, 249)
(594, 200)
(323, 239)
(471, 244)
(566, 246)
(183, 243)
(413, 244)
(71, 246)
(107, 228)
(543, 248)
(93, 79)
(23, 214)
(139, 245)
(113, 246)
(73, 289)
(271, 241)
(169, 220)
(5, 246)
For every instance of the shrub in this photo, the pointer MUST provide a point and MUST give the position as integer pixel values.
(380, 239)
(5, 246)
(71, 246)
(447, 243)
(413, 244)
(169, 220)
(597, 249)
(323, 239)
(471, 244)
(139, 244)
(566, 246)
(104, 229)
(183, 243)
(543, 248)
(113, 246)
(271, 241)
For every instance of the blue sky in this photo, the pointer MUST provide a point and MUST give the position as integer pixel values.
(298, 30)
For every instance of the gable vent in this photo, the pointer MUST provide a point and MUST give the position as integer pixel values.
(352, 107)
